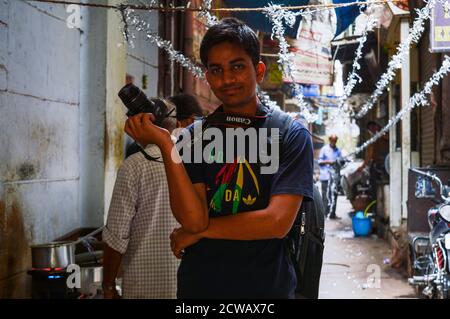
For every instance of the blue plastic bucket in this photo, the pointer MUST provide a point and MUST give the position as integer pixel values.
(362, 226)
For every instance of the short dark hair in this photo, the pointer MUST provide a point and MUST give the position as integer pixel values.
(186, 105)
(234, 31)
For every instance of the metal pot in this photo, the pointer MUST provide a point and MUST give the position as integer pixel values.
(53, 255)
(89, 258)
(91, 280)
(56, 254)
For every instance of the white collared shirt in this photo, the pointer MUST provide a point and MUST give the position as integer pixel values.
(139, 224)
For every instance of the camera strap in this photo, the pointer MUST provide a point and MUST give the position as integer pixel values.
(147, 156)
(234, 120)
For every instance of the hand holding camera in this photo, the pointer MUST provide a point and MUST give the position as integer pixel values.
(142, 128)
(145, 116)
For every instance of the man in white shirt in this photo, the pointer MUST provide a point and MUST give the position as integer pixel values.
(140, 221)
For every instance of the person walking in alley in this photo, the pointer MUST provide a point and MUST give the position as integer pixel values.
(140, 221)
(234, 218)
(328, 155)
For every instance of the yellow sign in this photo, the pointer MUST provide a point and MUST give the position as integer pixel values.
(442, 34)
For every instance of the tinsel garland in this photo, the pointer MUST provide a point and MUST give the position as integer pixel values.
(414, 35)
(353, 78)
(278, 16)
(133, 21)
(206, 14)
(417, 99)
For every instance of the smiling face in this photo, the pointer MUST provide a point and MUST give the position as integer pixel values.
(233, 77)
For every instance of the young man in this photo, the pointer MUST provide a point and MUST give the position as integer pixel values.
(140, 221)
(234, 218)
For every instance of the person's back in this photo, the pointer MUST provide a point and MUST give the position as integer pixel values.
(149, 267)
(140, 219)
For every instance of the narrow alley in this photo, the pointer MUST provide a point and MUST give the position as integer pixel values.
(358, 267)
(161, 149)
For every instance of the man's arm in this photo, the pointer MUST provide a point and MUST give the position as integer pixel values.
(275, 221)
(111, 264)
(186, 202)
(290, 184)
(117, 231)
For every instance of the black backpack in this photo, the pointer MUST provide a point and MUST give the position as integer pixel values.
(305, 240)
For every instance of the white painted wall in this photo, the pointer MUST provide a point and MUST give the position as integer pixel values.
(142, 59)
(39, 121)
(40, 113)
(92, 115)
(61, 124)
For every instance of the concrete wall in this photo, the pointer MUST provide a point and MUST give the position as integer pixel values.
(39, 120)
(61, 125)
(93, 50)
(142, 60)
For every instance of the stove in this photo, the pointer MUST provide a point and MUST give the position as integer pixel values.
(50, 283)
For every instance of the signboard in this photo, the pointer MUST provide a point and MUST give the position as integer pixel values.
(440, 29)
(312, 53)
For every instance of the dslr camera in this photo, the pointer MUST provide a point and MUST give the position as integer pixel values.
(137, 102)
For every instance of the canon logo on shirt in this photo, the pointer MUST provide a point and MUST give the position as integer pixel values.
(238, 120)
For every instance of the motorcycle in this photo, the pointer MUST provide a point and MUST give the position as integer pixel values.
(430, 255)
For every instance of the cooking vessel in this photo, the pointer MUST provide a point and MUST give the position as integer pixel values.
(91, 280)
(58, 254)
(89, 258)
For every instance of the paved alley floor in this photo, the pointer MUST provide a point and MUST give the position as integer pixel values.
(357, 268)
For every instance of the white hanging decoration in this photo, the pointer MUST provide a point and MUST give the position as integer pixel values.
(353, 78)
(278, 15)
(132, 21)
(344, 112)
(206, 14)
(265, 99)
(142, 26)
(417, 99)
(397, 60)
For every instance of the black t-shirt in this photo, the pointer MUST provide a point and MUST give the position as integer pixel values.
(252, 268)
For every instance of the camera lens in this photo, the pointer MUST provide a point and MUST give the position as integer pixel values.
(135, 100)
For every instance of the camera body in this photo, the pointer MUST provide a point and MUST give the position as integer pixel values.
(137, 102)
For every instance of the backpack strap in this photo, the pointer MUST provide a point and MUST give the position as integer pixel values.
(282, 121)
